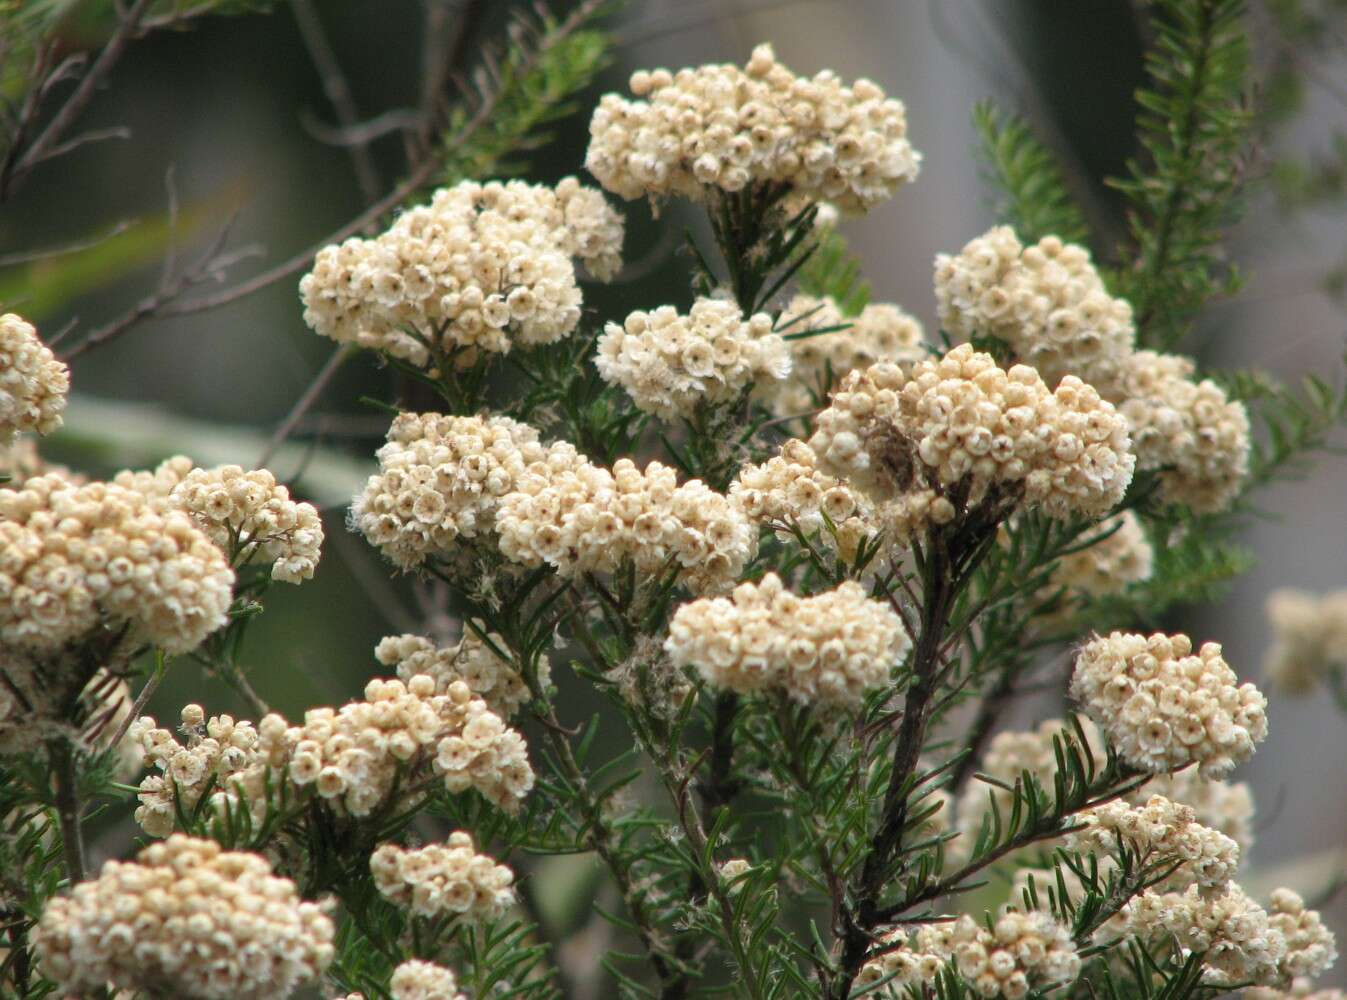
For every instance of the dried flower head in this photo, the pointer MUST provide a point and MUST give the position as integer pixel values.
(481, 268)
(590, 520)
(1163, 706)
(827, 649)
(1020, 952)
(419, 980)
(1046, 302)
(20, 462)
(1110, 557)
(449, 879)
(1226, 806)
(474, 661)
(671, 364)
(79, 559)
(1310, 946)
(1309, 638)
(963, 426)
(252, 516)
(189, 919)
(441, 479)
(33, 383)
(1191, 431)
(725, 128)
(908, 957)
(880, 332)
(1160, 830)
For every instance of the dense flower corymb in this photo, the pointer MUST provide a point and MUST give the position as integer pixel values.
(75, 558)
(725, 128)
(1310, 638)
(471, 660)
(1164, 706)
(187, 919)
(482, 267)
(1022, 950)
(830, 648)
(669, 364)
(441, 479)
(33, 383)
(961, 421)
(449, 879)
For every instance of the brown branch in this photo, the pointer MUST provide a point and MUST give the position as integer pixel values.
(338, 92)
(77, 101)
(307, 399)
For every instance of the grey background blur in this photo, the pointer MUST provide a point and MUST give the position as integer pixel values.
(227, 105)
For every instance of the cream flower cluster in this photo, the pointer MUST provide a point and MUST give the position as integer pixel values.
(186, 918)
(671, 364)
(1117, 553)
(1190, 431)
(250, 513)
(33, 383)
(1047, 302)
(1163, 706)
(1226, 806)
(881, 332)
(74, 559)
(913, 957)
(1165, 829)
(789, 489)
(157, 485)
(481, 268)
(229, 759)
(1021, 951)
(20, 462)
(449, 879)
(441, 479)
(1310, 638)
(420, 980)
(353, 756)
(591, 519)
(961, 419)
(721, 127)
(1310, 946)
(830, 648)
(471, 660)
(1239, 942)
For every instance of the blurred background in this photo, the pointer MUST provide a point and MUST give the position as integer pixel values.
(232, 118)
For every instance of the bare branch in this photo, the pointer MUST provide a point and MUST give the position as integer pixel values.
(305, 402)
(29, 256)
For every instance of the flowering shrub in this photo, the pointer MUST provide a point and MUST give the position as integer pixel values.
(807, 554)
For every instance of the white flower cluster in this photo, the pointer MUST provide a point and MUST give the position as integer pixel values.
(420, 980)
(157, 485)
(1226, 806)
(228, 758)
(590, 519)
(881, 332)
(827, 649)
(912, 957)
(1021, 951)
(789, 489)
(1189, 430)
(1309, 638)
(1163, 706)
(1115, 554)
(481, 268)
(962, 421)
(1047, 302)
(470, 660)
(671, 364)
(33, 383)
(1164, 829)
(353, 756)
(449, 879)
(1240, 943)
(1310, 946)
(20, 462)
(252, 515)
(721, 127)
(75, 559)
(441, 479)
(189, 918)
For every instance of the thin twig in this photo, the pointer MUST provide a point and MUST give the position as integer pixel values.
(146, 692)
(338, 92)
(305, 403)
